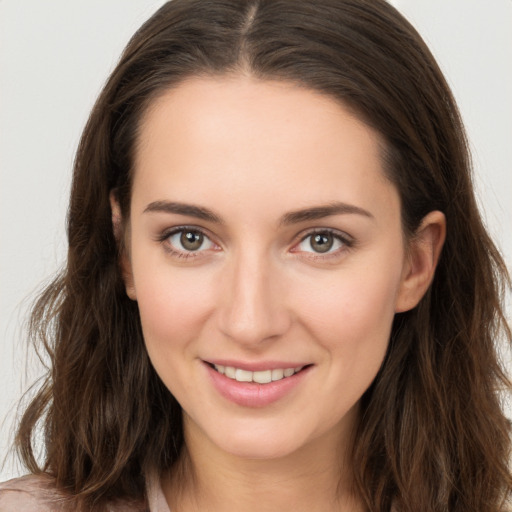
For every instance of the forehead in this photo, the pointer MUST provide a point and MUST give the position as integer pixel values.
(210, 138)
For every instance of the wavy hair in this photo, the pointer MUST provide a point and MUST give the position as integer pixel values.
(431, 435)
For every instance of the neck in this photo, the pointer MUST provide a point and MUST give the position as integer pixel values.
(314, 478)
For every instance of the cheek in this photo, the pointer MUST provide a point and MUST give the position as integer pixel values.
(352, 323)
(352, 316)
(173, 306)
(364, 297)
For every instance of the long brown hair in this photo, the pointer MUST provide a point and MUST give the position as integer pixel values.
(432, 436)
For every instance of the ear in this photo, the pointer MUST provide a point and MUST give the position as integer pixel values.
(421, 261)
(122, 240)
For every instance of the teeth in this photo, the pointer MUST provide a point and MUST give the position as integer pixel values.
(261, 377)
(277, 374)
(243, 375)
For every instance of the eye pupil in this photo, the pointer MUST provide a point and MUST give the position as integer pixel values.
(191, 240)
(322, 242)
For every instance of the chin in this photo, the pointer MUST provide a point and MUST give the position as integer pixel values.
(263, 449)
(259, 441)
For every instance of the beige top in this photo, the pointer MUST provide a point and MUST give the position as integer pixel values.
(38, 494)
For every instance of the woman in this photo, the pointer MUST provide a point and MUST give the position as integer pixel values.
(279, 290)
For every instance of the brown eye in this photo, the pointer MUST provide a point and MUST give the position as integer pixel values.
(191, 240)
(321, 242)
(187, 240)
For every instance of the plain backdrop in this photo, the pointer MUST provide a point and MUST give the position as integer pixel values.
(56, 54)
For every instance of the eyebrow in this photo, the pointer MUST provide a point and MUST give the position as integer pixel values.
(190, 210)
(319, 212)
(294, 217)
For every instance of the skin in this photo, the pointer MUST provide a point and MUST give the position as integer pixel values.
(251, 152)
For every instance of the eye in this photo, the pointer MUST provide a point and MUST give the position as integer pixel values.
(322, 242)
(186, 240)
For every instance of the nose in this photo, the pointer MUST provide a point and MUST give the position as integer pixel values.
(252, 307)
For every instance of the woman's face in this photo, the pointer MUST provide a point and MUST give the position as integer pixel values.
(264, 240)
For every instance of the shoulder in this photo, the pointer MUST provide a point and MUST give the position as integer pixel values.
(37, 493)
(32, 493)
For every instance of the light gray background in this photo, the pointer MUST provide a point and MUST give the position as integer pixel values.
(55, 56)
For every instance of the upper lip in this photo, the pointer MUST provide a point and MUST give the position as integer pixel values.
(256, 366)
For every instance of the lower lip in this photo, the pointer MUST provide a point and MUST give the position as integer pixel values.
(252, 394)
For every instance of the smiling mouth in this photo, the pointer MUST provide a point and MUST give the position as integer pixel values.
(259, 377)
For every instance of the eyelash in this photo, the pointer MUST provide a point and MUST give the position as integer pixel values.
(346, 241)
(164, 240)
